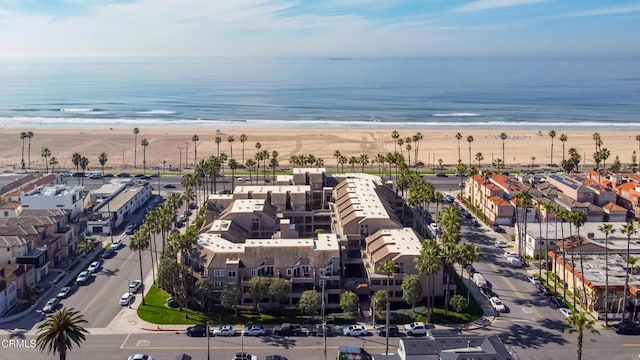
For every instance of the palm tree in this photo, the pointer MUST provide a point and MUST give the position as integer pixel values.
(388, 267)
(218, 140)
(503, 137)
(606, 229)
(638, 140)
(243, 139)
(363, 160)
(578, 218)
(400, 142)
(579, 322)
(416, 140)
(23, 135)
(523, 200)
(53, 162)
(629, 230)
(60, 331)
(140, 241)
(102, 159)
(29, 136)
(429, 263)
(552, 135)
(273, 164)
(250, 164)
(470, 140)
(450, 257)
(459, 137)
(409, 153)
(395, 135)
(45, 153)
(563, 139)
(470, 254)
(136, 131)
(195, 139)
(479, 158)
(144, 144)
(84, 164)
(233, 165)
(231, 139)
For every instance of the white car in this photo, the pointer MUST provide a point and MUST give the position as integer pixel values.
(226, 330)
(497, 305)
(565, 312)
(502, 244)
(415, 328)
(354, 330)
(254, 330)
(140, 357)
(64, 292)
(244, 356)
(51, 305)
(510, 254)
(134, 286)
(94, 266)
(83, 277)
(126, 299)
(433, 226)
(534, 280)
(117, 244)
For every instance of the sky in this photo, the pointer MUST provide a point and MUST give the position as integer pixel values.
(350, 28)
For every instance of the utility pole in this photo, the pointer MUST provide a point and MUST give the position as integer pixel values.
(186, 154)
(180, 161)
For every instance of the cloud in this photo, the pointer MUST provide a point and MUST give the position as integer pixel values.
(614, 10)
(482, 5)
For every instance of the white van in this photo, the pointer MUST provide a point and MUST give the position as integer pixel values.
(95, 175)
(515, 262)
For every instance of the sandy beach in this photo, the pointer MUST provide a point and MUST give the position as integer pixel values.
(171, 144)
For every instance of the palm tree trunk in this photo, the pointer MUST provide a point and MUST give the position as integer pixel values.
(141, 273)
(446, 294)
(580, 339)
(584, 289)
(626, 278)
(606, 280)
(153, 270)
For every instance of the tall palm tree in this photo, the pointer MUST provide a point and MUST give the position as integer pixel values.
(23, 135)
(503, 137)
(400, 142)
(233, 165)
(273, 164)
(470, 254)
(144, 144)
(388, 267)
(102, 159)
(524, 201)
(140, 241)
(416, 140)
(84, 164)
(250, 164)
(363, 160)
(552, 135)
(29, 136)
(136, 131)
(450, 257)
(606, 229)
(60, 331)
(479, 158)
(218, 140)
(429, 263)
(395, 135)
(638, 140)
(563, 139)
(243, 139)
(459, 137)
(231, 139)
(579, 322)
(578, 218)
(45, 153)
(53, 162)
(470, 140)
(195, 139)
(629, 230)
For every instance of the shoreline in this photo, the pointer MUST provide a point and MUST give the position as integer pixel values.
(175, 146)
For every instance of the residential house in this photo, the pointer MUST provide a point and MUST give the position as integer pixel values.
(52, 197)
(256, 216)
(110, 211)
(10, 209)
(14, 280)
(449, 345)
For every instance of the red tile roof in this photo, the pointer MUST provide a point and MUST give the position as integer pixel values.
(10, 205)
(499, 201)
(613, 207)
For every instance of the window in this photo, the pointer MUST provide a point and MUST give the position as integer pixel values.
(375, 282)
(254, 272)
(289, 272)
(305, 270)
(219, 284)
(219, 272)
(6, 213)
(231, 274)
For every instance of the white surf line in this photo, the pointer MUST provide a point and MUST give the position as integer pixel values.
(125, 341)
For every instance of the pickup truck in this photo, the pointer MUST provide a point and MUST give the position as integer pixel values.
(287, 329)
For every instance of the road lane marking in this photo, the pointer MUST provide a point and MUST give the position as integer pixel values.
(246, 347)
(516, 291)
(125, 341)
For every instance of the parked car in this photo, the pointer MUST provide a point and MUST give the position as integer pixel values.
(475, 223)
(322, 330)
(169, 186)
(497, 305)
(557, 302)
(108, 254)
(515, 262)
(254, 330)
(544, 290)
(288, 329)
(95, 176)
(198, 331)
(532, 279)
(226, 330)
(244, 356)
(94, 266)
(508, 254)
(502, 244)
(393, 330)
(64, 292)
(140, 357)
(51, 305)
(488, 292)
(441, 174)
(187, 213)
(565, 312)
(124, 175)
(470, 269)
(172, 303)
(274, 357)
(354, 330)
(626, 328)
(145, 177)
(179, 224)
(130, 229)
(134, 286)
(416, 328)
(126, 299)
(117, 244)
(83, 277)
(497, 228)
(193, 206)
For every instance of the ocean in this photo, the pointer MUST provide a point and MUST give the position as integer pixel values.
(321, 92)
